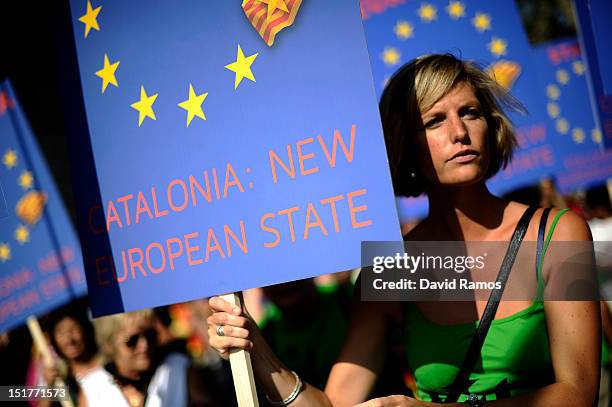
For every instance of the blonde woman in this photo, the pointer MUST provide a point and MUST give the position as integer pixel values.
(446, 134)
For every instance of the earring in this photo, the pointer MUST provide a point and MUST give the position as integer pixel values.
(412, 175)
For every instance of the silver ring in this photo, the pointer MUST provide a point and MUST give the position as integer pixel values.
(220, 331)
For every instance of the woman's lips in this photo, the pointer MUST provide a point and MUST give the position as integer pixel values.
(464, 158)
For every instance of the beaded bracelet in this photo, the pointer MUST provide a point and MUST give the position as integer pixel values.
(290, 398)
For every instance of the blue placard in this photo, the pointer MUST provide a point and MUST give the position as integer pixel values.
(595, 33)
(577, 139)
(228, 154)
(489, 33)
(40, 258)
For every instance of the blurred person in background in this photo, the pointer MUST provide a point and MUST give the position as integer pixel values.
(206, 386)
(128, 379)
(72, 336)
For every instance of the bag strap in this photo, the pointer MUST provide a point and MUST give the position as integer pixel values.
(462, 378)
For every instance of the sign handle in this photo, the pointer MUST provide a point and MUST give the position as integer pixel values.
(242, 370)
(45, 351)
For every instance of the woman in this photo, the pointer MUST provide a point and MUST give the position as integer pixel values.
(446, 135)
(72, 337)
(130, 379)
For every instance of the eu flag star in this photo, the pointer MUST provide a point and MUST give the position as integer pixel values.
(144, 106)
(5, 252)
(26, 180)
(22, 234)
(90, 18)
(193, 105)
(107, 73)
(10, 159)
(242, 67)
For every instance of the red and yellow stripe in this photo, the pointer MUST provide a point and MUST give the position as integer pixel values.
(257, 13)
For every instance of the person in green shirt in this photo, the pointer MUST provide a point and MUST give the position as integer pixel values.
(446, 135)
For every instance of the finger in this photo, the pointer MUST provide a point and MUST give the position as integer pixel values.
(223, 318)
(225, 343)
(234, 332)
(219, 304)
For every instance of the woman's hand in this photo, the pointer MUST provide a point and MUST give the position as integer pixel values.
(236, 327)
(395, 401)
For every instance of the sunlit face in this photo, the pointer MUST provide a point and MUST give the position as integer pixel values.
(68, 335)
(452, 147)
(134, 345)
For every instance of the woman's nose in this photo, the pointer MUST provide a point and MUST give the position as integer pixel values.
(458, 129)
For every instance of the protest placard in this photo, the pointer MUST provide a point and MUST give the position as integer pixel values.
(594, 32)
(230, 146)
(40, 257)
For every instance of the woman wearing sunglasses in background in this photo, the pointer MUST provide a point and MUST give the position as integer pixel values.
(446, 134)
(131, 378)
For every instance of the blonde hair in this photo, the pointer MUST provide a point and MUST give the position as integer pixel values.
(107, 328)
(415, 88)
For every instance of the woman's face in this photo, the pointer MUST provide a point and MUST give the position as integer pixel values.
(134, 345)
(452, 147)
(69, 337)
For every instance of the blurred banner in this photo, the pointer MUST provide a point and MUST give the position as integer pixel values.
(577, 138)
(595, 35)
(230, 147)
(40, 257)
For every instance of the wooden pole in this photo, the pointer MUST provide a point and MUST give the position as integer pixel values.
(242, 370)
(45, 351)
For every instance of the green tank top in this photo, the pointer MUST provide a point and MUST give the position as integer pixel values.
(515, 356)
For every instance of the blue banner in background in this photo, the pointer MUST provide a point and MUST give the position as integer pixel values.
(234, 147)
(577, 138)
(595, 32)
(40, 258)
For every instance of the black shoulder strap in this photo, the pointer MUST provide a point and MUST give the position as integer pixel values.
(541, 231)
(462, 379)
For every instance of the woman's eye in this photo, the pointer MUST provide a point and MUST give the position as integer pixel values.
(472, 113)
(433, 122)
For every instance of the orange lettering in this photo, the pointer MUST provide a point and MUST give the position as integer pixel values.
(355, 209)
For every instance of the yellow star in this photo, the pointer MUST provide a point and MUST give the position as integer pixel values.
(10, 159)
(26, 180)
(273, 5)
(427, 12)
(5, 252)
(391, 56)
(482, 22)
(455, 10)
(193, 105)
(578, 68)
(107, 73)
(403, 30)
(144, 106)
(22, 234)
(553, 110)
(562, 126)
(553, 92)
(596, 136)
(562, 76)
(578, 135)
(498, 46)
(89, 18)
(242, 67)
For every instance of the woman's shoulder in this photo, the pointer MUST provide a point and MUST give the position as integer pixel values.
(567, 226)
